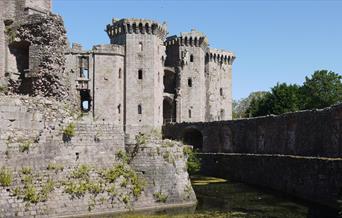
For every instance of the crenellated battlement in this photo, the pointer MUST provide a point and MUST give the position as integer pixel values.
(193, 38)
(220, 56)
(136, 26)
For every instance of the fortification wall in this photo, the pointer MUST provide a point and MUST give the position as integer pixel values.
(2, 46)
(306, 133)
(85, 171)
(313, 179)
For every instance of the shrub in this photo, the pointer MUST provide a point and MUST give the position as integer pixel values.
(82, 172)
(141, 139)
(5, 177)
(25, 146)
(69, 132)
(26, 170)
(160, 197)
(30, 194)
(122, 156)
(48, 187)
(55, 166)
(193, 163)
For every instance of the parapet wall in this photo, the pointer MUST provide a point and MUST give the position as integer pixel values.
(305, 133)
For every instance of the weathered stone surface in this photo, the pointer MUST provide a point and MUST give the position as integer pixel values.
(313, 179)
(305, 133)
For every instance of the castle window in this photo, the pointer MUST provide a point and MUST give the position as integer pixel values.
(120, 73)
(140, 74)
(189, 113)
(139, 109)
(158, 77)
(190, 82)
(140, 46)
(222, 114)
(119, 109)
(191, 58)
(221, 91)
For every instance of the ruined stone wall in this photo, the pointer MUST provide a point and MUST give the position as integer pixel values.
(219, 85)
(305, 133)
(2, 46)
(317, 180)
(56, 175)
(108, 92)
(43, 37)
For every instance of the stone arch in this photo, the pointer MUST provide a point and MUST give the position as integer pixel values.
(194, 137)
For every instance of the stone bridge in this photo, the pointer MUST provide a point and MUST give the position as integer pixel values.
(299, 154)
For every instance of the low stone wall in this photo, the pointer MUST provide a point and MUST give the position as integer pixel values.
(305, 133)
(317, 180)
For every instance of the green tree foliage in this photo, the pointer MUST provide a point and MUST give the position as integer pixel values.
(240, 107)
(323, 89)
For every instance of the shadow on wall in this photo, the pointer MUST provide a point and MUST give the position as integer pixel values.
(193, 137)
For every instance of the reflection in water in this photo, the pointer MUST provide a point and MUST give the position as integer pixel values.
(218, 198)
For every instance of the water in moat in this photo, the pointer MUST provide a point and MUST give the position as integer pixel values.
(221, 198)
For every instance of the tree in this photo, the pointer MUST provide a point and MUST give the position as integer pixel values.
(283, 98)
(240, 107)
(323, 89)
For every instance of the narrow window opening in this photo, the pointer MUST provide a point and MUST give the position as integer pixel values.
(189, 113)
(85, 100)
(141, 46)
(222, 114)
(140, 74)
(221, 91)
(191, 58)
(190, 82)
(120, 73)
(119, 109)
(139, 109)
(158, 77)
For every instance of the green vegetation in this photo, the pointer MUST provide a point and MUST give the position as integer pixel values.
(322, 89)
(26, 170)
(3, 89)
(168, 143)
(160, 197)
(11, 33)
(193, 164)
(82, 172)
(69, 132)
(25, 146)
(55, 166)
(141, 139)
(5, 177)
(76, 188)
(122, 156)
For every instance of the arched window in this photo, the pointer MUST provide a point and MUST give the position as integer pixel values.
(140, 74)
(190, 82)
(189, 113)
(141, 46)
(120, 73)
(191, 58)
(139, 109)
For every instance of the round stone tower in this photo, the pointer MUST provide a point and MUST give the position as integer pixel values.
(143, 74)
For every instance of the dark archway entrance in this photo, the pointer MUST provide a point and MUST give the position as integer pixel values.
(169, 110)
(193, 137)
(169, 82)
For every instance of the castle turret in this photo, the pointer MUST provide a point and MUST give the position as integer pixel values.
(187, 52)
(143, 75)
(219, 84)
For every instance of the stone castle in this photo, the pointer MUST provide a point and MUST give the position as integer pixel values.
(141, 80)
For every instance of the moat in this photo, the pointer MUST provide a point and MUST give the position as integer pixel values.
(222, 198)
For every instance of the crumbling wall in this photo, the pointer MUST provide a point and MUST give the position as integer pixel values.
(62, 165)
(45, 36)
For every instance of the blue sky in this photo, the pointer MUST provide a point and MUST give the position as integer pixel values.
(274, 41)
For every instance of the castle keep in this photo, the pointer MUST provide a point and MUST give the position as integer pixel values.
(140, 81)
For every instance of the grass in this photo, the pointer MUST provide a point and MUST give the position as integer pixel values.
(5, 177)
